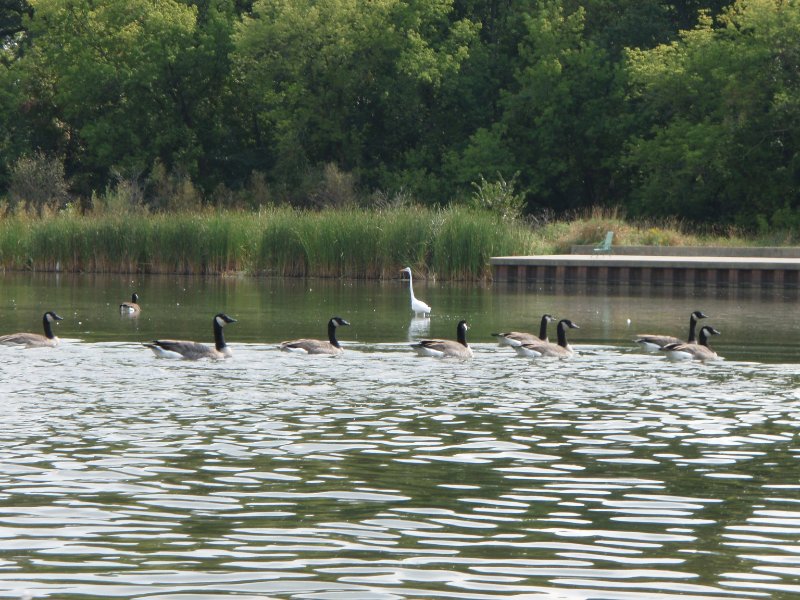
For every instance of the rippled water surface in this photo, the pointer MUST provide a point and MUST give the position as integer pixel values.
(380, 474)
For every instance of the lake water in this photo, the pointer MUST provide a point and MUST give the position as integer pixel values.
(379, 474)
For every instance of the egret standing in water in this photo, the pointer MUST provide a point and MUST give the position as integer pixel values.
(417, 305)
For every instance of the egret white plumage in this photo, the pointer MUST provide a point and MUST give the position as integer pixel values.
(417, 305)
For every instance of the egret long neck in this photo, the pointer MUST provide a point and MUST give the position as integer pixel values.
(48, 328)
(219, 339)
(411, 286)
(332, 334)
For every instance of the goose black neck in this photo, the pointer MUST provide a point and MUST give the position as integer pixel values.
(543, 329)
(562, 334)
(703, 338)
(692, 327)
(461, 334)
(48, 328)
(219, 339)
(332, 334)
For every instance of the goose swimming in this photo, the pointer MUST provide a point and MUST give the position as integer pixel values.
(35, 340)
(446, 348)
(561, 349)
(132, 307)
(516, 338)
(311, 346)
(699, 350)
(195, 350)
(653, 343)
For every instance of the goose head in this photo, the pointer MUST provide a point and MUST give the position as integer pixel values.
(705, 332)
(337, 321)
(135, 298)
(567, 323)
(222, 319)
(696, 315)
(461, 332)
(50, 316)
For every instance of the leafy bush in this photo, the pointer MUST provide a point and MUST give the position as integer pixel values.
(498, 196)
(38, 183)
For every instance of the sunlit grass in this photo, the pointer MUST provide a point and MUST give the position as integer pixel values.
(451, 243)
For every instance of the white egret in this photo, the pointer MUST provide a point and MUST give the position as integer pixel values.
(417, 305)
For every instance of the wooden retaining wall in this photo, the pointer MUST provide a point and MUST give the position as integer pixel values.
(697, 271)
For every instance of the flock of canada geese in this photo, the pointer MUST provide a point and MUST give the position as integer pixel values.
(525, 344)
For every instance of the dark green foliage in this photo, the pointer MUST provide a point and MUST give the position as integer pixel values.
(688, 108)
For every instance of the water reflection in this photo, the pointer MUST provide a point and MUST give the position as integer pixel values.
(613, 475)
(418, 327)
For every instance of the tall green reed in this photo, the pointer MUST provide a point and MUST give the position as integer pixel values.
(353, 243)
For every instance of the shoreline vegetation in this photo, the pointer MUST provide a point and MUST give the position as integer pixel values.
(686, 110)
(452, 243)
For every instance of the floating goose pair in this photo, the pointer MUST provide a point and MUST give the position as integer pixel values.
(35, 340)
(677, 349)
(699, 350)
(654, 343)
(531, 346)
(195, 351)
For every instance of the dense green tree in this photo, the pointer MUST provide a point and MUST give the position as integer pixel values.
(127, 82)
(721, 118)
(561, 126)
(668, 107)
(348, 82)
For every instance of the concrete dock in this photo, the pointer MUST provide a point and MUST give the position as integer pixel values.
(650, 270)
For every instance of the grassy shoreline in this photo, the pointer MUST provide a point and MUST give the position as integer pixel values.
(453, 243)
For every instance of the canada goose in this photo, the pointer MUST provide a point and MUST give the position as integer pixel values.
(653, 343)
(132, 307)
(35, 340)
(445, 348)
(417, 305)
(541, 348)
(699, 350)
(194, 350)
(516, 338)
(306, 346)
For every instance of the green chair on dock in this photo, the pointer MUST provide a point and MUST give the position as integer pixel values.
(605, 245)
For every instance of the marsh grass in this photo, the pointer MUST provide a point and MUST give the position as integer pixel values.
(450, 243)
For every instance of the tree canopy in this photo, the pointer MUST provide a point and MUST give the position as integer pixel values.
(685, 108)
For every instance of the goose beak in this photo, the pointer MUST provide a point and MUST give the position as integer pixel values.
(57, 318)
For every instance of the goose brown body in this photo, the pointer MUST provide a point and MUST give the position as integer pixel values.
(561, 349)
(446, 348)
(35, 340)
(194, 350)
(517, 338)
(330, 347)
(699, 350)
(132, 307)
(653, 343)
